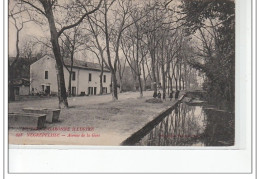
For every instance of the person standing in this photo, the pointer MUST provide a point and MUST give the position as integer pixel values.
(164, 96)
(159, 95)
(177, 94)
(171, 95)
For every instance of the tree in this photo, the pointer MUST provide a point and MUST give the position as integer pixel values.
(47, 9)
(96, 31)
(71, 45)
(152, 44)
(157, 27)
(18, 22)
(131, 49)
(212, 24)
(125, 7)
(115, 18)
(121, 70)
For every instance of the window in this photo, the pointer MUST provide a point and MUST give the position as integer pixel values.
(46, 74)
(73, 76)
(105, 79)
(89, 77)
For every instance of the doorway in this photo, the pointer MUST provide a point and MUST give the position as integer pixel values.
(16, 90)
(48, 90)
(95, 90)
(73, 91)
(90, 90)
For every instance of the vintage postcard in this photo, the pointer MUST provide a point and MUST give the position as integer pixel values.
(121, 72)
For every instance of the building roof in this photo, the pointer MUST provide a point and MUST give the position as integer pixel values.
(20, 82)
(85, 65)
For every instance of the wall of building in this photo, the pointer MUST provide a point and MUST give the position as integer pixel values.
(84, 83)
(81, 81)
(24, 90)
(37, 75)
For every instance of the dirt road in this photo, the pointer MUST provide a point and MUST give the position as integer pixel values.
(94, 120)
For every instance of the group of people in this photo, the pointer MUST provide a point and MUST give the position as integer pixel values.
(158, 95)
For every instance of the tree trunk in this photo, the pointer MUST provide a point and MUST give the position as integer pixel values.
(63, 102)
(10, 82)
(140, 86)
(12, 67)
(163, 72)
(114, 86)
(121, 84)
(170, 82)
(137, 65)
(144, 74)
(183, 84)
(167, 86)
(101, 83)
(180, 76)
(113, 69)
(154, 81)
(70, 72)
(158, 73)
(134, 79)
(176, 83)
(69, 87)
(163, 81)
(174, 67)
(10, 85)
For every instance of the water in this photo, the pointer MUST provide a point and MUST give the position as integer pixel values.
(200, 125)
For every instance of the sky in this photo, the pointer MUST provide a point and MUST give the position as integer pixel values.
(29, 29)
(32, 29)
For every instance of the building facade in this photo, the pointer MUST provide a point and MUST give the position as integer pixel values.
(85, 78)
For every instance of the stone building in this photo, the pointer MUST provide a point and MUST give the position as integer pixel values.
(85, 77)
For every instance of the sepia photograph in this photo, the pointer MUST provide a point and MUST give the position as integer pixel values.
(121, 72)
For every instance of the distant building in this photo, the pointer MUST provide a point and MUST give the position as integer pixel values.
(19, 76)
(85, 77)
(21, 86)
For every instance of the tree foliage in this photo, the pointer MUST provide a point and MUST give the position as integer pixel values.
(212, 24)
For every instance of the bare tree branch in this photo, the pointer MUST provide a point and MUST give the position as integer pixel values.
(80, 20)
(35, 7)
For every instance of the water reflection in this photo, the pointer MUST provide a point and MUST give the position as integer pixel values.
(192, 126)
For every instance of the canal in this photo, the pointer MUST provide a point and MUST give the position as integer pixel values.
(192, 124)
